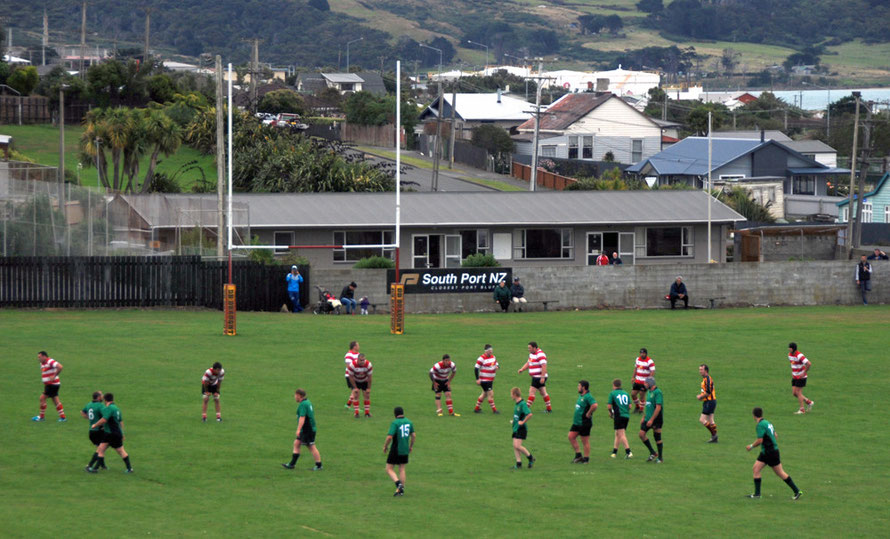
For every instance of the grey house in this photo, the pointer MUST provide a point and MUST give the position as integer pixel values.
(805, 181)
(521, 229)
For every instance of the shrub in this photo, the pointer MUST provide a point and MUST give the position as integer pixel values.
(373, 262)
(480, 260)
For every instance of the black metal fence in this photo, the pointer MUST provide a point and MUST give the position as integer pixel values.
(141, 281)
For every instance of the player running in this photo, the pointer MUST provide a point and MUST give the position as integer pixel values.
(306, 430)
(113, 422)
(708, 398)
(50, 369)
(654, 419)
(360, 373)
(351, 355)
(92, 412)
(486, 369)
(441, 374)
(800, 366)
(521, 415)
(582, 422)
(769, 455)
(537, 369)
(210, 384)
(644, 367)
(619, 410)
(402, 436)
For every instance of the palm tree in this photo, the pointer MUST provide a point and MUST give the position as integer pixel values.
(163, 135)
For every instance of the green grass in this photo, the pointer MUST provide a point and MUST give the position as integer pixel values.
(495, 184)
(41, 143)
(196, 479)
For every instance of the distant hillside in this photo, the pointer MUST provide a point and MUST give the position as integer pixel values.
(853, 36)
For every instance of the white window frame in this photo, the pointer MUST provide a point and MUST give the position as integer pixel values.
(574, 144)
(639, 158)
(687, 242)
(548, 150)
(887, 213)
(845, 213)
(732, 177)
(585, 147)
(867, 212)
(567, 244)
(621, 254)
(483, 243)
(388, 252)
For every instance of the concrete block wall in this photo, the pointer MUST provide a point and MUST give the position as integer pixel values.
(591, 287)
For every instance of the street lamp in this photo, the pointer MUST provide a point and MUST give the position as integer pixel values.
(440, 56)
(347, 51)
(827, 107)
(518, 59)
(486, 52)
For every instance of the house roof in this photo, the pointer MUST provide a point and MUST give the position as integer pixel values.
(342, 78)
(569, 109)
(311, 82)
(372, 82)
(752, 135)
(809, 146)
(482, 107)
(875, 191)
(689, 157)
(552, 208)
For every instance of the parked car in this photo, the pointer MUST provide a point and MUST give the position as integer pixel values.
(290, 120)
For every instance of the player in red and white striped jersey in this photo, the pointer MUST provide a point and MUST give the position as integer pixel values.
(486, 369)
(360, 372)
(800, 365)
(351, 355)
(441, 374)
(644, 367)
(49, 374)
(537, 368)
(210, 384)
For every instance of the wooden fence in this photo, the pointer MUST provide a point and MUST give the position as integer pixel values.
(141, 281)
(544, 179)
(38, 110)
(371, 135)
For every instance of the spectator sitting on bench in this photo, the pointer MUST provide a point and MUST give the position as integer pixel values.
(678, 291)
(518, 293)
(502, 295)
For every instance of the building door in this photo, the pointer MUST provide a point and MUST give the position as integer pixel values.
(452, 251)
(751, 248)
(608, 243)
(436, 251)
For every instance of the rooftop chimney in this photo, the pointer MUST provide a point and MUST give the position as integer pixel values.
(499, 95)
(762, 135)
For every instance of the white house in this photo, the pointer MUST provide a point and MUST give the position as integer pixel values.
(473, 110)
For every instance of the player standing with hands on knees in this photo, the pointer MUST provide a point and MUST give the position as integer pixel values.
(360, 374)
(441, 374)
(210, 384)
(486, 369)
(537, 369)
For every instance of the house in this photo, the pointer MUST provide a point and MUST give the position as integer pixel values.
(590, 125)
(365, 81)
(473, 110)
(618, 81)
(442, 229)
(805, 183)
(875, 206)
(815, 149)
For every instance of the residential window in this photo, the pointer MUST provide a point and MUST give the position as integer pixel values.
(474, 242)
(672, 241)
(548, 150)
(573, 147)
(636, 150)
(845, 214)
(283, 238)
(732, 177)
(804, 185)
(587, 147)
(867, 212)
(544, 243)
(887, 213)
(362, 237)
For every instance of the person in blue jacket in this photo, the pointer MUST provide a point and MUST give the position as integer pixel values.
(293, 287)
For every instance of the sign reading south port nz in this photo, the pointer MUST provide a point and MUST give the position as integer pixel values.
(450, 281)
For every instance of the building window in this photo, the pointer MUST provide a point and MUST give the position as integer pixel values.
(867, 212)
(548, 150)
(362, 237)
(732, 177)
(573, 147)
(544, 243)
(845, 214)
(474, 242)
(804, 185)
(887, 213)
(587, 147)
(636, 150)
(283, 238)
(673, 241)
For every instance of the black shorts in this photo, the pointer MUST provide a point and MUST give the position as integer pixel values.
(798, 382)
(209, 389)
(393, 457)
(708, 407)
(349, 384)
(656, 423)
(363, 386)
(307, 436)
(771, 459)
(521, 433)
(51, 390)
(620, 422)
(97, 436)
(114, 440)
(440, 386)
(486, 386)
(538, 383)
(583, 429)
(639, 387)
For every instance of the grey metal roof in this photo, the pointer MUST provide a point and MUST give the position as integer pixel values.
(484, 209)
(342, 77)
(815, 170)
(753, 134)
(808, 146)
(372, 82)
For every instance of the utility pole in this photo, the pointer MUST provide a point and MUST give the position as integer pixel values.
(436, 145)
(83, 38)
(451, 139)
(45, 41)
(145, 53)
(220, 159)
(849, 239)
(863, 172)
(62, 150)
(254, 75)
(786, 120)
(533, 181)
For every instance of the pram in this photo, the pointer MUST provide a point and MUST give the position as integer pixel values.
(327, 302)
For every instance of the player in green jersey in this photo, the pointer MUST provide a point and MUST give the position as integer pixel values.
(113, 422)
(619, 410)
(769, 455)
(521, 415)
(305, 434)
(92, 412)
(653, 419)
(402, 436)
(582, 422)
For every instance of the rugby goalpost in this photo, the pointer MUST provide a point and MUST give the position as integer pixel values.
(397, 290)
